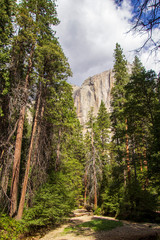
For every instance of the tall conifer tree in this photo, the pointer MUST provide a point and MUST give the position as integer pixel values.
(117, 117)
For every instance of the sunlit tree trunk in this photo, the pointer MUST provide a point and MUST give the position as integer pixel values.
(16, 164)
(38, 136)
(24, 187)
(18, 144)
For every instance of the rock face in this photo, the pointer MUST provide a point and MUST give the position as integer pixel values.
(91, 93)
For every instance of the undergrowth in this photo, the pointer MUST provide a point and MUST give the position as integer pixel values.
(10, 229)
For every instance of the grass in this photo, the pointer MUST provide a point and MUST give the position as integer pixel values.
(96, 225)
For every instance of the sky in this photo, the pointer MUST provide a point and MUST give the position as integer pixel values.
(88, 33)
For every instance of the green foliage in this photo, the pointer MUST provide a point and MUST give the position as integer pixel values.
(118, 101)
(142, 111)
(6, 29)
(112, 195)
(98, 211)
(52, 203)
(103, 125)
(137, 204)
(97, 149)
(10, 228)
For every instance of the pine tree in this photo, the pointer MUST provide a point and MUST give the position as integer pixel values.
(7, 125)
(103, 146)
(22, 58)
(93, 163)
(35, 20)
(53, 64)
(119, 123)
(103, 122)
(6, 31)
(141, 110)
(60, 114)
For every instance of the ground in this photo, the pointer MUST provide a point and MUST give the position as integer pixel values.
(129, 231)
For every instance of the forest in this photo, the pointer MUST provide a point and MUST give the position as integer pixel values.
(48, 167)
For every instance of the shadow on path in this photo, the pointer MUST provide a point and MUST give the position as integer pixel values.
(111, 229)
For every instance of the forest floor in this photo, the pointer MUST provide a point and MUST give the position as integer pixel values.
(129, 231)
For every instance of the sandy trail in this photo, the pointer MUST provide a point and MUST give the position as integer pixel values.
(129, 231)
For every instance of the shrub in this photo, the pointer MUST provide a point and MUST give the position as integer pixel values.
(137, 204)
(52, 203)
(10, 228)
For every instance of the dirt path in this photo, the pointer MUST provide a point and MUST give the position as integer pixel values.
(129, 231)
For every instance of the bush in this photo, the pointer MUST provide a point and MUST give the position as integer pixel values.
(10, 228)
(137, 204)
(111, 199)
(52, 203)
(98, 211)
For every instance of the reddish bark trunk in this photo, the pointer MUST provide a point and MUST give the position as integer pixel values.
(16, 165)
(37, 137)
(18, 145)
(58, 151)
(24, 187)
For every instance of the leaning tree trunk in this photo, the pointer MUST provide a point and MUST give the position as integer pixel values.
(36, 151)
(24, 187)
(18, 145)
(38, 137)
(16, 165)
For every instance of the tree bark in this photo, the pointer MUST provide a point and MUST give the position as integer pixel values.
(145, 164)
(16, 165)
(58, 150)
(5, 175)
(134, 161)
(24, 187)
(95, 185)
(18, 144)
(85, 187)
(127, 154)
(94, 174)
(38, 136)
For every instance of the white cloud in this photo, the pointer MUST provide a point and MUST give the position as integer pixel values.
(88, 32)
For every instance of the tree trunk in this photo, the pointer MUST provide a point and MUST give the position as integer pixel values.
(145, 164)
(5, 175)
(85, 187)
(16, 165)
(95, 185)
(94, 174)
(36, 152)
(24, 187)
(127, 154)
(58, 151)
(134, 161)
(37, 137)
(18, 145)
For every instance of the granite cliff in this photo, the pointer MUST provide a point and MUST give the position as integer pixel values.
(91, 93)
